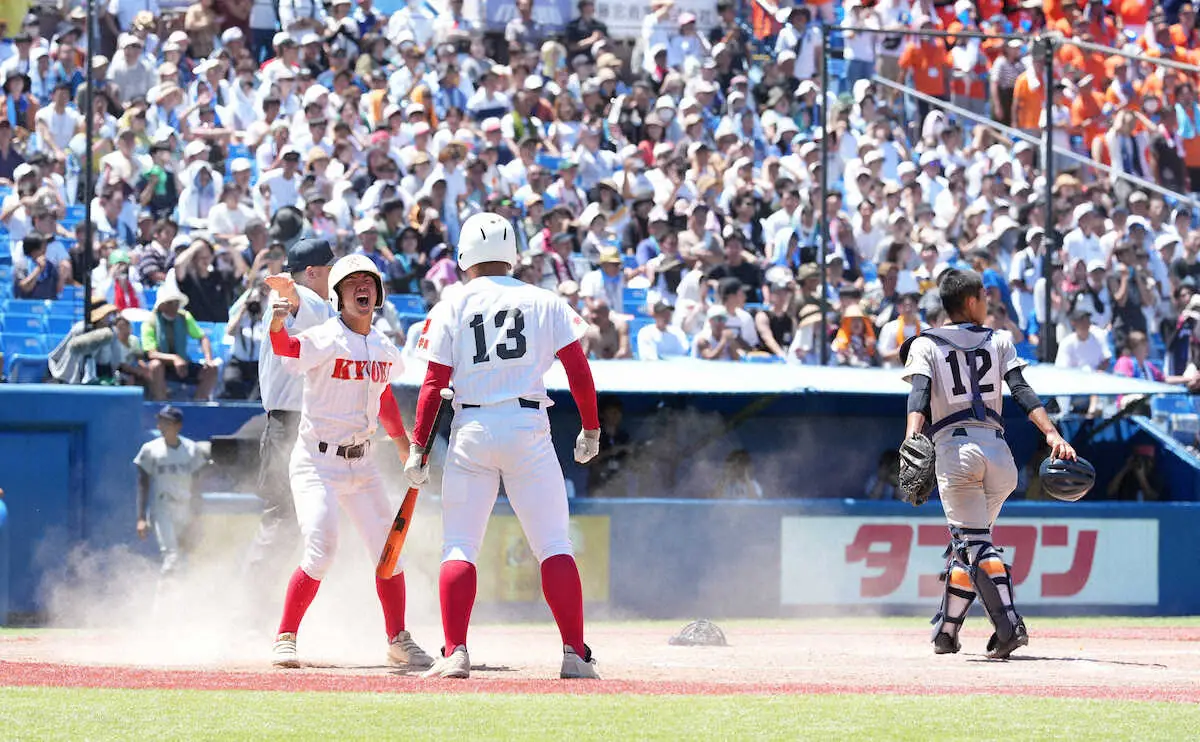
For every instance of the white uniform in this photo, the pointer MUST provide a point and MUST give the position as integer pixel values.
(975, 470)
(344, 376)
(172, 473)
(500, 336)
(281, 390)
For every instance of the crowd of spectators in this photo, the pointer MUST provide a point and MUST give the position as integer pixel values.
(670, 190)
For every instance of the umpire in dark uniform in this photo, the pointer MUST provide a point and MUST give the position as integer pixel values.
(308, 261)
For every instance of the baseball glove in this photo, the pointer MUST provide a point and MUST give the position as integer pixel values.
(916, 469)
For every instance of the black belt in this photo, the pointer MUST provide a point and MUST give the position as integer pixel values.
(346, 452)
(529, 404)
(962, 433)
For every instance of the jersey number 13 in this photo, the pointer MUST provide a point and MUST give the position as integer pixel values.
(513, 344)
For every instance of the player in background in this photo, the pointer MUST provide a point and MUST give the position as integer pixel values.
(309, 263)
(348, 369)
(168, 497)
(955, 372)
(495, 340)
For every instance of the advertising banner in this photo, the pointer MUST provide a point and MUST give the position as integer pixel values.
(509, 573)
(862, 561)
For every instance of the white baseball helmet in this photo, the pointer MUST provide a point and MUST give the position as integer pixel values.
(484, 238)
(351, 264)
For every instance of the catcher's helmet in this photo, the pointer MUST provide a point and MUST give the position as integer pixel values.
(1067, 480)
(353, 264)
(486, 238)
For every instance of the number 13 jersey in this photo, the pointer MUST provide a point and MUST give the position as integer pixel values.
(500, 336)
(966, 365)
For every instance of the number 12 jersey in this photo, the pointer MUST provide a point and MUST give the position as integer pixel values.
(500, 336)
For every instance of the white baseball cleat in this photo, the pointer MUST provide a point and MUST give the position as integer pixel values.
(457, 665)
(576, 667)
(404, 652)
(284, 654)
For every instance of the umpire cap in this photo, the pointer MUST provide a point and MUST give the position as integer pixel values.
(1067, 480)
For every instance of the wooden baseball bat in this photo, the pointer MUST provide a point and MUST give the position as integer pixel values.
(399, 531)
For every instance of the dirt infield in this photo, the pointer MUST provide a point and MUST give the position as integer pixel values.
(798, 657)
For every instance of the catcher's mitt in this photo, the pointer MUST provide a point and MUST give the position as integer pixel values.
(916, 469)
(702, 633)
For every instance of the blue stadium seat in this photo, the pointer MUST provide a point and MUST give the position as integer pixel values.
(763, 359)
(67, 308)
(151, 294)
(27, 306)
(71, 293)
(629, 261)
(634, 302)
(408, 319)
(58, 327)
(407, 303)
(28, 369)
(73, 216)
(18, 345)
(26, 324)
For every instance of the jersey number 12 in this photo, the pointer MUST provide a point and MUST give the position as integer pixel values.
(515, 336)
(979, 362)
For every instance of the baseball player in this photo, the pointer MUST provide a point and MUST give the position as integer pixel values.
(955, 372)
(347, 367)
(167, 497)
(308, 262)
(495, 339)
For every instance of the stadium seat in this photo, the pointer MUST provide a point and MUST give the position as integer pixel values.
(67, 308)
(151, 294)
(71, 293)
(58, 327)
(27, 306)
(408, 319)
(73, 216)
(408, 303)
(28, 324)
(763, 359)
(28, 369)
(634, 302)
(629, 261)
(21, 345)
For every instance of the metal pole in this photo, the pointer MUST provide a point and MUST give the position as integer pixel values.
(1021, 136)
(824, 193)
(1048, 341)
(86, 191)
(936, 34)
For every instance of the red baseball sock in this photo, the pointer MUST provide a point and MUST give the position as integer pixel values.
(391, 597)
(456, 584)
(300, 593)
(564, 594)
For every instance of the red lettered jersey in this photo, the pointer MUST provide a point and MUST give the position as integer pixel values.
(500, 336)
(344, 375)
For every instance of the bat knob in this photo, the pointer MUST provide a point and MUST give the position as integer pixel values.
(447, 394)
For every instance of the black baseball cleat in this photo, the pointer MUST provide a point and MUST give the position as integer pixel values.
(1001, 651)
(943, 643)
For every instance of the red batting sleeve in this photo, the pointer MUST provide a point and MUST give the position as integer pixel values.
(583, 388)
(389, 414)
(437, 378)
(284, 344)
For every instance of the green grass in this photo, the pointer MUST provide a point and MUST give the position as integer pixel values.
(74, 714)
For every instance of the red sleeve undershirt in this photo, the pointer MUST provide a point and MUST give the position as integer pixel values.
(389, 414)
(583, 387)
(284, 344)
(437, 378)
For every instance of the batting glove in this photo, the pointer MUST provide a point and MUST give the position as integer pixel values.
(416, 471)
(587, 445)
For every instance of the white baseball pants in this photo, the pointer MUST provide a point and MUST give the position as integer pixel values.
(975, 474)
(510, 442)
(170, 520)
(320, 481)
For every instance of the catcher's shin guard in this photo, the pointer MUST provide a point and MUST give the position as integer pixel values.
(957, 596)
(992, 582)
